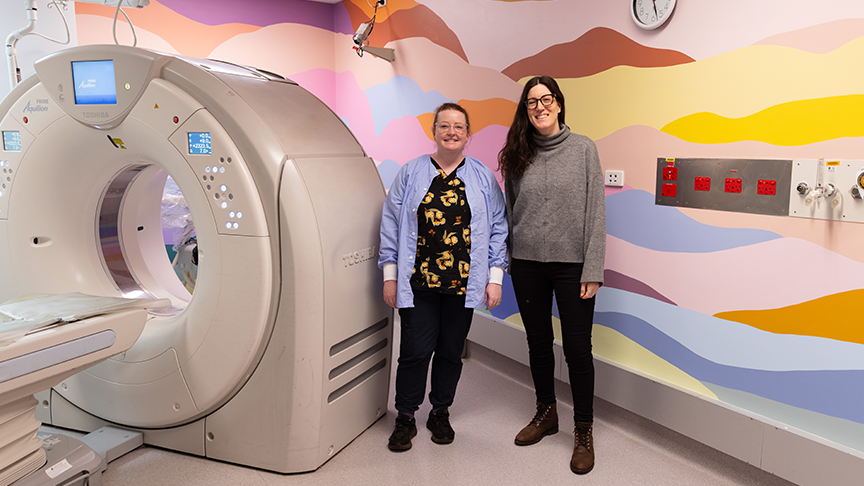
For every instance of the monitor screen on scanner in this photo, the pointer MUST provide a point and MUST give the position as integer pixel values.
(12, 141)
(199, 143)
(94, 82)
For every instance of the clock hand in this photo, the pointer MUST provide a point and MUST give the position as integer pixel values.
(654, 4)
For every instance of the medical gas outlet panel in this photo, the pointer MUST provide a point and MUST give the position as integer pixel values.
(807, 188)
(827, 189)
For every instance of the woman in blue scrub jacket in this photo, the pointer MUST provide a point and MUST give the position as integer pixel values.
(443, 253)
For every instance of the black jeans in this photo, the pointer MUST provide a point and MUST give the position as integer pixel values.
(534, 283)
(436, 324)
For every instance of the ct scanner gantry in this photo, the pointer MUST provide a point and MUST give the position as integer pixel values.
(281, 355)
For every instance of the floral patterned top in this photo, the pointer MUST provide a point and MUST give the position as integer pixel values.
(443, 236)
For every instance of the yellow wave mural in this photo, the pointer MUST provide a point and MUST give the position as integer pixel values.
(734, 84)
(617, 347)
(835, 316)
(794, 123)
(613, 345)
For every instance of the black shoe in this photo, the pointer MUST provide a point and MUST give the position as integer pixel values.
(439, 424)
(406, 429)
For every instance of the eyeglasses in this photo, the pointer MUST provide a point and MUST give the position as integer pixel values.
(445, 127)
(531, 103)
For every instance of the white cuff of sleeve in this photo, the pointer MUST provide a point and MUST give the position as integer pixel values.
(496, 275)
(391, 272)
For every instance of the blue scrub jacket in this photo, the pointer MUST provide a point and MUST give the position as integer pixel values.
(488, 225)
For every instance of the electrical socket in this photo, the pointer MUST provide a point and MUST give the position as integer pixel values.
(767, 187)
(615, 178)
(702, 184)
(382, 3)
(733, 184)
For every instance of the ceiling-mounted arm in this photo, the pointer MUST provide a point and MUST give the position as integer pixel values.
(14, 37)
(12, 42)
(361, 37)
(385, 53)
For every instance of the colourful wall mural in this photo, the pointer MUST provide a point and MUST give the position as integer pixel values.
(760, 312)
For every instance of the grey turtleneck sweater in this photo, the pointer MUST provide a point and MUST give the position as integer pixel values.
(557, 210)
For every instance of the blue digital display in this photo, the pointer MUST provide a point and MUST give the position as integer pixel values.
(199, 143)
(12, 141)
(94, 82)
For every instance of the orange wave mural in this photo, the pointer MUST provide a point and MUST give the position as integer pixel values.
(595, 51)
(835, 316)
(391, 8)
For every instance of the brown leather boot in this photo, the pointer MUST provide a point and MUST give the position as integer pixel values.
(545, 422)
(582, 461)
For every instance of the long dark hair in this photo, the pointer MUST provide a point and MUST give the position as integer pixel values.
(519, 149)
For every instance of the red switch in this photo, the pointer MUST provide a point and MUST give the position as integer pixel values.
(669, 190)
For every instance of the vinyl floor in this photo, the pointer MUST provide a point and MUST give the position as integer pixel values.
(493, 402)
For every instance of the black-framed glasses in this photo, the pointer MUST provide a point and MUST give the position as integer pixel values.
(531, 103)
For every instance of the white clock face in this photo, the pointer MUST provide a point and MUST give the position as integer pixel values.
(650, 14)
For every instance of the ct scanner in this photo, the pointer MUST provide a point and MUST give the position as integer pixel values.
(281, 354)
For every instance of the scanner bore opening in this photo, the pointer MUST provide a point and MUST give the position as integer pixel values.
(127, 243)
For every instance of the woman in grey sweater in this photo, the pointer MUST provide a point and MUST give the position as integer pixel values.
(553, 185)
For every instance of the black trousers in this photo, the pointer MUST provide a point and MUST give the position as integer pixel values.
(437, 325)
(534, 284)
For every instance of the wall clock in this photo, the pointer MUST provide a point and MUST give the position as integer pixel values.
(650, 14)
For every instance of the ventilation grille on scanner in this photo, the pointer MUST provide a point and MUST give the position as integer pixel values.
(357, 360)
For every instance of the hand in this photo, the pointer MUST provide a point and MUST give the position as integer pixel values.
(589, 289)
(390, 293)
(493, 296)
